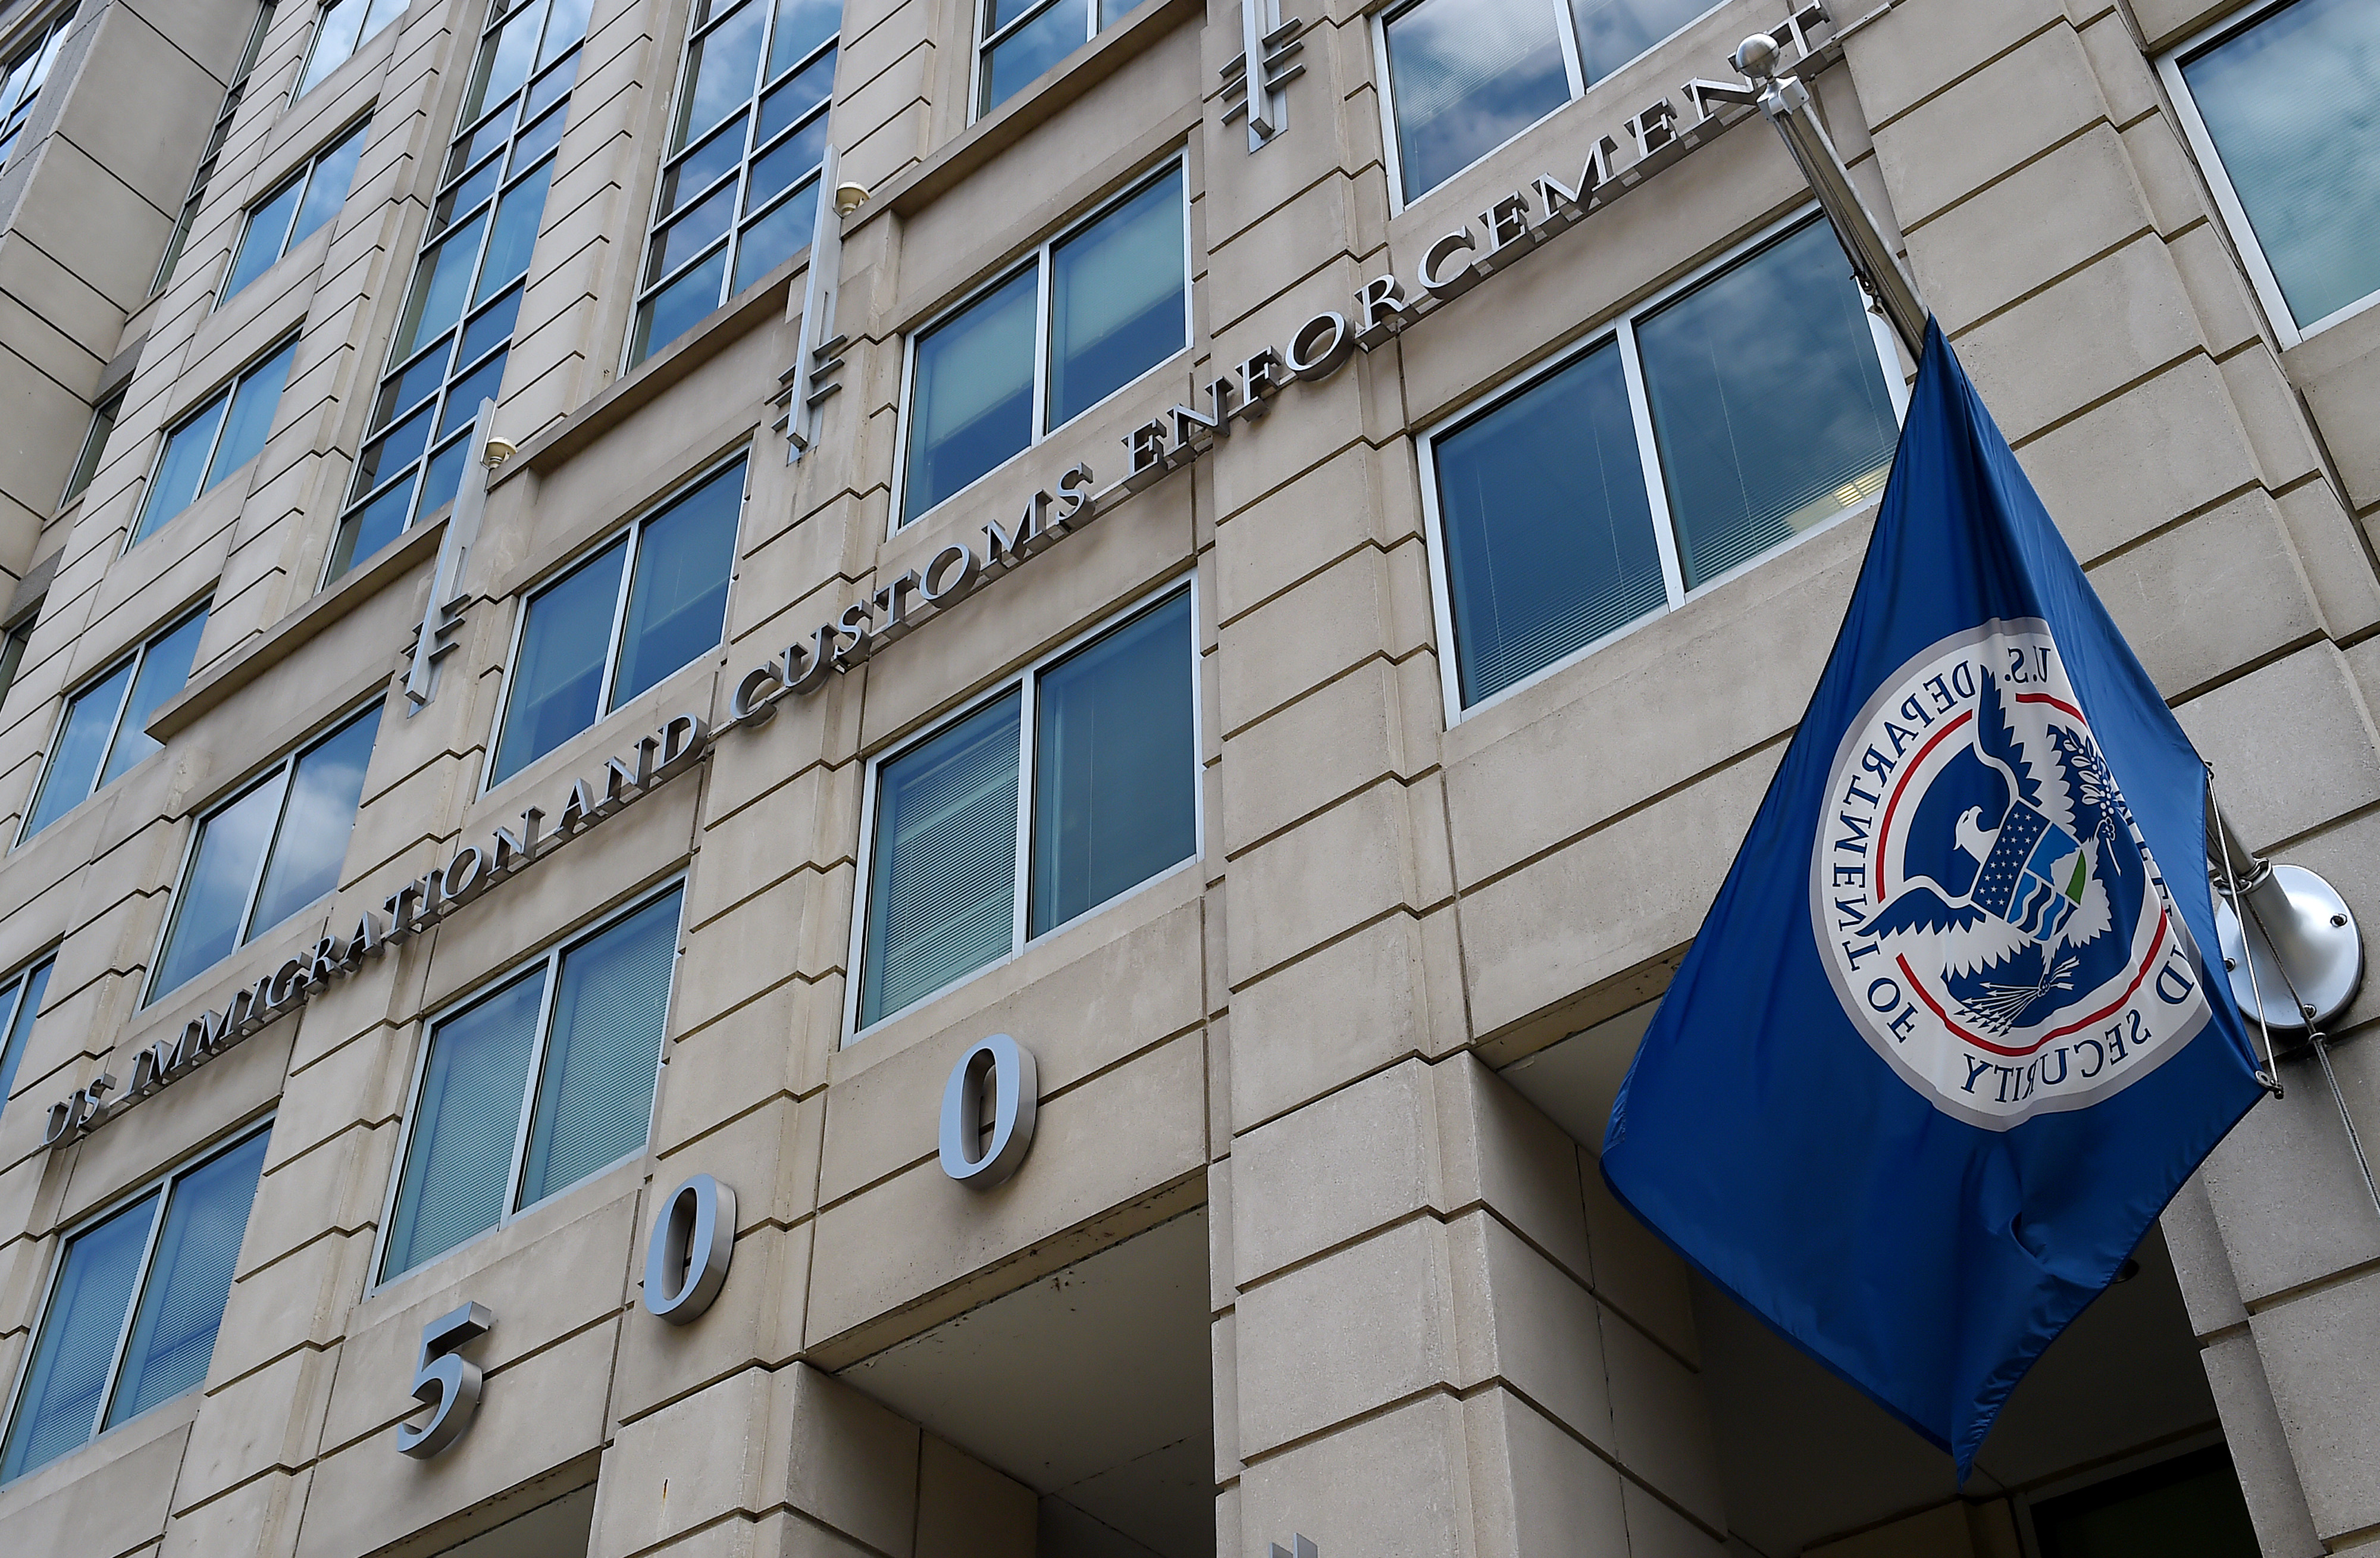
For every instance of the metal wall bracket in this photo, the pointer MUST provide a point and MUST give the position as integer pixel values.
(2300, 961)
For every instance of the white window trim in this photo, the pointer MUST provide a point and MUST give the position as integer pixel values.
(1574, 66)
(225, 390)
(163, 1186)
(736, 220)
(633, 530)
(2277, 312)
(303, 177)
(427, 1029)
(284, 769)
(984, 44)
(1020, 939)
(138, 657)
(1620, 330)
(1039, 258)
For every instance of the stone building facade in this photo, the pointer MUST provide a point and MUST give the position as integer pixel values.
(1309, 715)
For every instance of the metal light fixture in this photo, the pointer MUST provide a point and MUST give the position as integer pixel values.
(849, 198)
(498, 451)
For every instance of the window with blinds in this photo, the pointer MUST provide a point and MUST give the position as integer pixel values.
(1102, 737)
(649, 603)
(535, 1085)
(132, 1312)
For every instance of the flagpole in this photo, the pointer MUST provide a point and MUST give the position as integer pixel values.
(2278, 920)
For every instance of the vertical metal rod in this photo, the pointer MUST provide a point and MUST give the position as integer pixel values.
(1785, 100)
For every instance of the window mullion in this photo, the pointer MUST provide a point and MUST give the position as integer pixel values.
(1573, 58)
(108, 1381)
(1021, 900)
(619, 620)
(272, 842)
(535, 1084)
(1656, 492)
(1042, 302)
(115, 721)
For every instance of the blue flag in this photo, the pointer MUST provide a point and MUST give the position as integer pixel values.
(1946, 1045)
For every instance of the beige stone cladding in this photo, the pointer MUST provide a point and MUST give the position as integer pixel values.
(1427, 1328)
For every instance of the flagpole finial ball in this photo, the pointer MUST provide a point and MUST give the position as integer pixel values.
(1757, 56)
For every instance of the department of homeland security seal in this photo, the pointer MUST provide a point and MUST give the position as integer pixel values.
(1989, 914)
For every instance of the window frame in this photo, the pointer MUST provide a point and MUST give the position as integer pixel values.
(632, 528)
(131, 661)
(162, 1185)
(12, 999)
(1573, 67)
(47, 38)
(298, 88)
(984, 43)
(1620, 330)
(481, 989)
(226, 390)
(94, 447)
(1026, 678)
(2278, 316)
(438, 403)
(172, 259)
(738, 220)
(302, 176)
(284, 769)
(1037, 258)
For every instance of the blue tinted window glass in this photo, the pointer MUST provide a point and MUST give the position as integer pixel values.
(441, 283)
(770, 240)
(326, 187)
(2293, 107)
(165, 670)
(1466, 77)
(213, 899)
(516, 218)
(262, 244)
(1114, 766)
(595, 1093)
(1768, 401)
(1549, 542)
(311, 842)
(801, 26)
(942, 895)
(720, 70)
(1116, 299)
(59, 1407)
(460, 1155)
(971, 395)
(252, 405)
(678, 603)
(181, 467)
(81, 748)
(22, 1002)
(1612, 32)
(1022, 58)
(679, 307)
(558, 681)
(190, 1278)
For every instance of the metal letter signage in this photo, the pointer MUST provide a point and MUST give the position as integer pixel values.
(1016, 1095)
(694, 1239)
(447, 1379)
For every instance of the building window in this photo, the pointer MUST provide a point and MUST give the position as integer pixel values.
(739, 194)
(13, 639)
(94, 444)
(20, 1003)
(340, 29)
(449, 350)
(104, 731)
(1755, 403)
(132, 1312)
(299, 205)
(571, 1047)
(1022, 39)
(21, 79)
(651, 602)
(2261, 98)
(1007, 366)
(214, 441)
(266, 853)
(206, 170)
(1466, 76)
(1102, 738)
